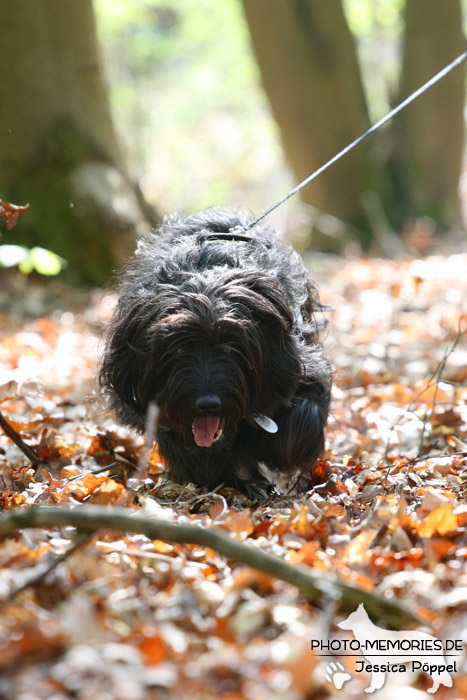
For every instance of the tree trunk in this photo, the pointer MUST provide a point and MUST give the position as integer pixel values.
(310, 73)
(433, 126)
(58, 148)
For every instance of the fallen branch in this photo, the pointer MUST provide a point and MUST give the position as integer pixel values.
(18, 440)
(320, 588)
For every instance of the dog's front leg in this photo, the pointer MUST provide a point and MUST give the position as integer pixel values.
(299, 440)
(183, 466)
(257, 489)
(231, 467)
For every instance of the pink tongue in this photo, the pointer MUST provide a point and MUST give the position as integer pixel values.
(204, 430)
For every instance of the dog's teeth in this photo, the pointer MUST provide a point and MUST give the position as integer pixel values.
(266, 423)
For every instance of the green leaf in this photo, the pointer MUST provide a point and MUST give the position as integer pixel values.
(45, 262)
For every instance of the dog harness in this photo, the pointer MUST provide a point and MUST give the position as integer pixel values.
(229, 236)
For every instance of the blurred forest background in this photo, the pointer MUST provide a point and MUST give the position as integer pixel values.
(115, 113)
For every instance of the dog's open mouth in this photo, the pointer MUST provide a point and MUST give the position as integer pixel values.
(207, 430)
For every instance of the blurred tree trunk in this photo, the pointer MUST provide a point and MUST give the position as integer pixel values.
(311, 75)
(310, 72)
(433, 127)
(58, 148)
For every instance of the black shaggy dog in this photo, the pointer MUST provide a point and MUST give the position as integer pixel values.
(217, 328)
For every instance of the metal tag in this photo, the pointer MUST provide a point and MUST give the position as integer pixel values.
(266, 423)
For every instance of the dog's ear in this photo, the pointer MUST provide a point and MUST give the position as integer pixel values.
(258, 296)
(261, 300)
(269, 301)
(125, 358)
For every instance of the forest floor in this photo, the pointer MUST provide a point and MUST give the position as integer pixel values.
(121, 616)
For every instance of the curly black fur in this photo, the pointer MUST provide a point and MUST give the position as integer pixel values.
(217, 329)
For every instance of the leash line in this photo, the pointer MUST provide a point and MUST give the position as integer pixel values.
(426, 86)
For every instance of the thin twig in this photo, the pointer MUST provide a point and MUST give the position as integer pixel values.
(423, 458)
(205, 496)
(18, 440)
(152, 418)
(436, 376)
(318, 587)
(100, 470)
(429, 412)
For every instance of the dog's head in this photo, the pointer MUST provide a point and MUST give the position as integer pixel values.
(210, 350)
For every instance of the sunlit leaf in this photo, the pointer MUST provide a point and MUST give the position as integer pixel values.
(11, 255)
(43, 261)
(46, 262)
(441, 520)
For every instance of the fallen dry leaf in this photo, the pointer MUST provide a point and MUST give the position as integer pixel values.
(124, 616)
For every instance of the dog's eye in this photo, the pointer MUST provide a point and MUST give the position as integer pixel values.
(180, 352)
(227, 350)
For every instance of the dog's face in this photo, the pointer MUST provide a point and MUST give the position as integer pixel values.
(204, 370)
(209, 351)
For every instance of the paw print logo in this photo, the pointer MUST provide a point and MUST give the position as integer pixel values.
(337, 675)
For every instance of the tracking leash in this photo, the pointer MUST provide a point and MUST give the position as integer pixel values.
(265, 422)
(426, 86)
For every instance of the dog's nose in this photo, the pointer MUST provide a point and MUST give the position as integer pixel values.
(208, 404)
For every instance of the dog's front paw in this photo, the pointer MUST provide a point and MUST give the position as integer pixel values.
(255, 490)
